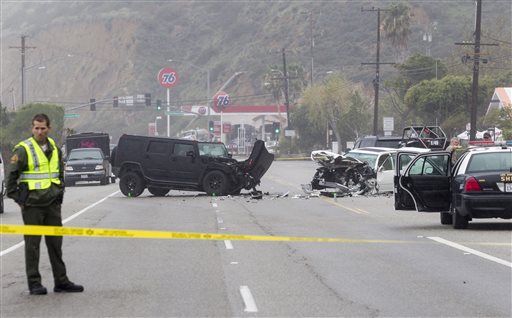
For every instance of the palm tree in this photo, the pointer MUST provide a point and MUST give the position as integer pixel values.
(396, 25)
(273, 82)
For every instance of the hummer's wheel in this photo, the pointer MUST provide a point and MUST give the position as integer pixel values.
(132, 184)
(215, 183)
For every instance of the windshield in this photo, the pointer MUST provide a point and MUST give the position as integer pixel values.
(212, 149)
(368, 157)
(86, 154)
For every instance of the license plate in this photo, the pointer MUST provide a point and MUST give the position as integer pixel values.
(84, 176)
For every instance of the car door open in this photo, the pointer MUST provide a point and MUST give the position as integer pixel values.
(424, 183)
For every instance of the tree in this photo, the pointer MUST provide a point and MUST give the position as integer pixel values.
(440, 100)
(396, 25)
(274, 82)
(419, 67)
(334, 103)
(415, 69)
(20, 125)
(356, 121)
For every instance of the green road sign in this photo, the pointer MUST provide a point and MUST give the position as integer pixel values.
(175, 113)
(71, 115)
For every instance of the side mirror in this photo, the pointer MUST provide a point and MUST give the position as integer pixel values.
(191, 154)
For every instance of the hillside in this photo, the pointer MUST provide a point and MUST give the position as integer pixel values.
(105, 49)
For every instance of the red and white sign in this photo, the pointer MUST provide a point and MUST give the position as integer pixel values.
(216, 127)
(226, 128)
(167, 77)
(220, 101)
(152, 129)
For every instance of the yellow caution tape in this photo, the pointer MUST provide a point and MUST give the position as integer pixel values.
(10, 229)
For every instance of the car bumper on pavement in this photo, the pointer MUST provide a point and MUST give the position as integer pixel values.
(84, 176)
(486, 206)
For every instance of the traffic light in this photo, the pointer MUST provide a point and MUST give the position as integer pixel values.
(147, 99)
(158, 104)
(276, 128)
(210, 126)
(115, 102)
(92, 104)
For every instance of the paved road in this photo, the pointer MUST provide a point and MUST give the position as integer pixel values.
(393, 263)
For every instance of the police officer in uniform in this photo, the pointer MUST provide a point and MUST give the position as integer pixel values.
(36, 183)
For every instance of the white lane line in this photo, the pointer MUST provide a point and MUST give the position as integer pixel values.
(470, 250)
(12, 248)
(229, 245)
(220, 220)
(20, 244)
(250, 304)
(89, 207)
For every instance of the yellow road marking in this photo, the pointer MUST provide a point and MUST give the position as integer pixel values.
(356, 210)
(7, 229)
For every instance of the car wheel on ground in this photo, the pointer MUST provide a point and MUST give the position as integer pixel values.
(459, 221)
(215, 183)
(446, 218)
(132, 184)
(158, 192)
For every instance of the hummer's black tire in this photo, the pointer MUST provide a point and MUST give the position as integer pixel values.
(215, 183)
(132, 184)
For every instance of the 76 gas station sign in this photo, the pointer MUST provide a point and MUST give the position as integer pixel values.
(167, 77)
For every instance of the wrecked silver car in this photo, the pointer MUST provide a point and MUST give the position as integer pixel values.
(367, 170)
(341, 174)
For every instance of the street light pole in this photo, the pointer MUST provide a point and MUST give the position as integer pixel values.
(208, 97)
(40, 66)
(24, 87)
(208, 103)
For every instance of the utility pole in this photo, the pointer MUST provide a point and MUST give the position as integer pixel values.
(377, 70)
(22, 48)
(312, 45)
(476, 69)
(286, 91)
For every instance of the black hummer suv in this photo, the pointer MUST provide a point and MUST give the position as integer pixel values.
(163, 164)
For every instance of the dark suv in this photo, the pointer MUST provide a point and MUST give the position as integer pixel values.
(163, 164)
(86, 164)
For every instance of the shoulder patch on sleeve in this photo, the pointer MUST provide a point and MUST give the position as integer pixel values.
(14, 158)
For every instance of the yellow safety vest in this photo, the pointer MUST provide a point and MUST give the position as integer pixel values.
(41, 173)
